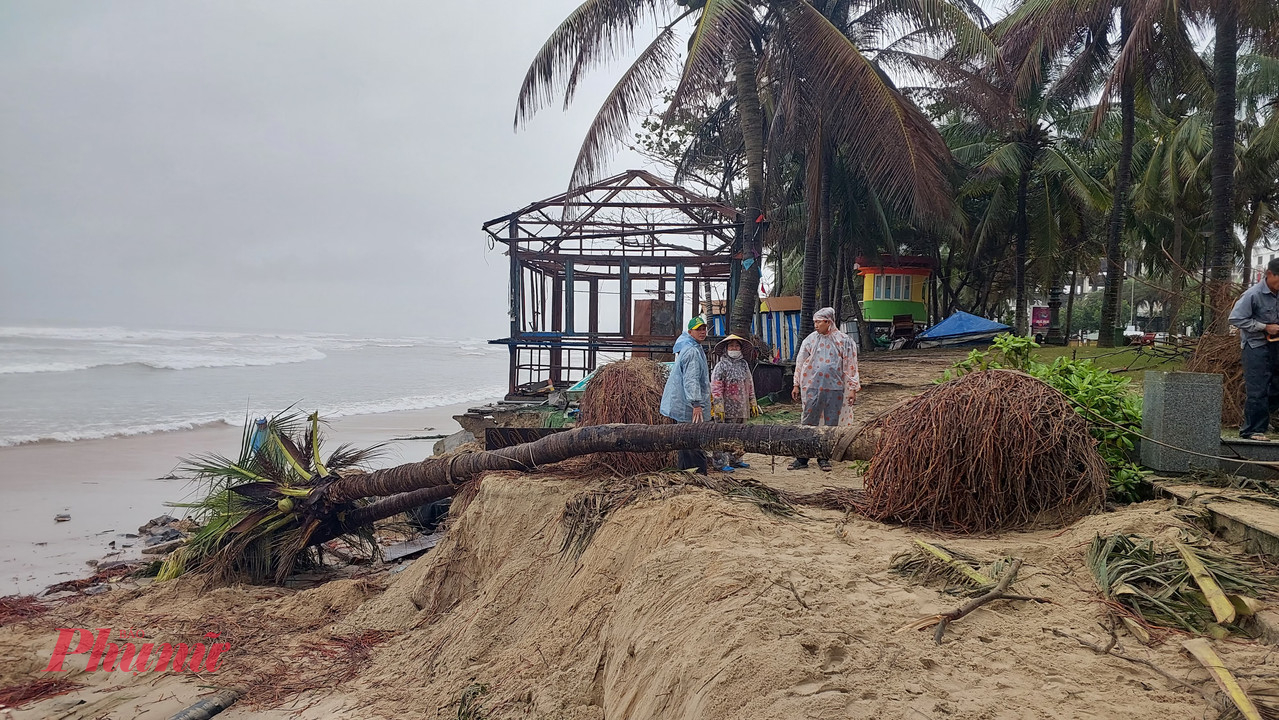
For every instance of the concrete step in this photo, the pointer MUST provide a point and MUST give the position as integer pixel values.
(1237, 518)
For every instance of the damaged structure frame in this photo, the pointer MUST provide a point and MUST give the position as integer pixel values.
(653, 245)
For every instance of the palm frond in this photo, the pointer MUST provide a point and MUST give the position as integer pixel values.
(1007, 159)
(949, 25)
(596, 31)
(1081, 185)
(725, 26)
(903, 154)
(637, 86)
(1157, 586)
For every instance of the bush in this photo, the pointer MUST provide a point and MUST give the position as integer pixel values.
(1106, 400)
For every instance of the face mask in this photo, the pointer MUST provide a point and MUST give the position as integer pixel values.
(734, 353)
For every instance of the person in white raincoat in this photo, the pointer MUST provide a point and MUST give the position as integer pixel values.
(826, 378)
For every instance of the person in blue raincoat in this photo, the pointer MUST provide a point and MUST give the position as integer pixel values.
(687, 395)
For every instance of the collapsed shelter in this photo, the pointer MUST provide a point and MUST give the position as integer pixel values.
(609, 270)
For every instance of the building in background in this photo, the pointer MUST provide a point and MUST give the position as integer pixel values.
(894, 287)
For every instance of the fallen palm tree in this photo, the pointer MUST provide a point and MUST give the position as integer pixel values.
(992, 450)
(287, 501)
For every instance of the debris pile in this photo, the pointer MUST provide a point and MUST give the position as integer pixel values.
(993, 450)
(1182, 587)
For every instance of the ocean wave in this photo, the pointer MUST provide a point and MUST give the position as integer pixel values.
(120, 432)
(419, 402)
(26, 368)
(214, 361)
(119, 336)
(174, 361)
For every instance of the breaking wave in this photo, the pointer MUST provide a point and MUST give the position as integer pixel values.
(337, 410)
(30, 350)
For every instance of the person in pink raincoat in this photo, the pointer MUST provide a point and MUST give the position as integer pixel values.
(826, 378)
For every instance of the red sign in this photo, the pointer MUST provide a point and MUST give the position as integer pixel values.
(1039, 318)
(126, 657)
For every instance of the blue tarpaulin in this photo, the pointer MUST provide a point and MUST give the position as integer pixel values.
(961, 325)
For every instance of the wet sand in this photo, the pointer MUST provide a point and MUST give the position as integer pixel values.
(110, 487)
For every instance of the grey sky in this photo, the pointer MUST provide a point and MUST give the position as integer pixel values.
(305, 165)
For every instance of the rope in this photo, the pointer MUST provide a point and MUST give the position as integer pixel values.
(1239, 460)
(1130, 431)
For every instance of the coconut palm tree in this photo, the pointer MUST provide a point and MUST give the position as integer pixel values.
(1119, 45)
(1170, 197)
(809, 61)
(894, 36)
(1014, 139)
(1257, 172)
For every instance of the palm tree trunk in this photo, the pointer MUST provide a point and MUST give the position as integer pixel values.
(1023, 244)
(837, 298)
(836, 443)
(1252, 234)
(823, 215)
(751, 115)
(1224, 62)
(396, 504)
(864, 339)
(1177, 299)
(1119, 206)
(813, 238)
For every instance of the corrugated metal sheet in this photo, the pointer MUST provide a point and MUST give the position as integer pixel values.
(780, 331)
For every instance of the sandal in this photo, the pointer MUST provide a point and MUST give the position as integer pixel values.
(797, 465)
(1259, 437)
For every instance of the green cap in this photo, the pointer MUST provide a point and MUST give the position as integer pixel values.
(695, 323)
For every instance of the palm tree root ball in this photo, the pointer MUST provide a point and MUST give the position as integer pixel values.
(993, 450)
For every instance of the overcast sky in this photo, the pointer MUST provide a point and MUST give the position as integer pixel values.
(284, 165)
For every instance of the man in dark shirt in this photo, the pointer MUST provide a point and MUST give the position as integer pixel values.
(1256, 314)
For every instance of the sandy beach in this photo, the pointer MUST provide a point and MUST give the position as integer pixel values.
(110, 487)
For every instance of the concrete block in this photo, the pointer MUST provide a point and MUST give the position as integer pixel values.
(1183, 410)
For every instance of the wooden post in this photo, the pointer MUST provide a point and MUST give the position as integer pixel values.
(570, 308)
(557, 325)
(514, 374)
(624, 292)
(697, 299)
(517, 299)
(734, 275)
(593, 321)
(679, 298)
(513, 250)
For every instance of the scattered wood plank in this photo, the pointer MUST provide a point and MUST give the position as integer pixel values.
(409, 548)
